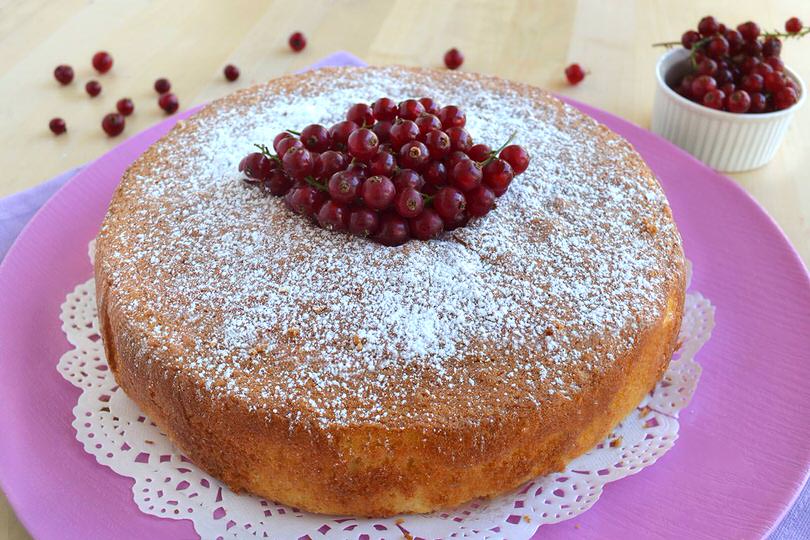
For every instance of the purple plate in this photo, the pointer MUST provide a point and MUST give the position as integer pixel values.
(744, 444)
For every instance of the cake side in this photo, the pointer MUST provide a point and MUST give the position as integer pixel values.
(584, 331)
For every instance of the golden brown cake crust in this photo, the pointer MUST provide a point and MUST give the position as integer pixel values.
(340, 376)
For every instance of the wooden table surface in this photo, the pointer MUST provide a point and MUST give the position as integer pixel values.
(190, 42)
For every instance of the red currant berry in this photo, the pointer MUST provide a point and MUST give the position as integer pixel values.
(427, 225)
(361, 114)
(332, 162)
(102, 61)
(378, 192)
(298, 163)
(402, 132)
(382, 129)
(480, 201)
(93, 88)
(784, 98)
(113, 124)
(125, 106)
(774, 81)
(714, 99)
(459, 139)
(762, 69)
(359, 168)
(685, 86)
(340, 134)
(772, 47)
(231, 72)
(758, 103)
(169, 103)
(286, 143)
(479, 152)
(735, 41)
(738, 102)
(279, 183)
(574, 73)
(707, 66)
(333, 216)
(459, 221)
(363, 222)
(689, 38)
(363, 144)
(426, 123)
(410, 109)
(452, 116)
(749, 64)
(701, 85)
(393, 230)
(435, 173)
(453, 158)
(708, 26)
(409, 203)
(344, 186)
(162, 85)
(305, 200)
(717, 47)
(407, 178)
(776, 63)
(297, 41)
(429, 105)
(64, 74)
(749, 30)
(723, 77)
(498, 174)
(516, 156)
(728, 89)
(57, 125)
(384, 109)
(466, 175)
(752, 48)
(414, 155)
(453, 58)
(449, 203)
(382, 164)
(438, 144)
(316, 138)
(257, 166)
(793, 25)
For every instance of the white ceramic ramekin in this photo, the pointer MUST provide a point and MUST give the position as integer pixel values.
(724, 141)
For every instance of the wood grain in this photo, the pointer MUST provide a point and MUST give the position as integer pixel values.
(190, 42)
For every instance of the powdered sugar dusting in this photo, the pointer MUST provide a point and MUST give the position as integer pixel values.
(517, 308)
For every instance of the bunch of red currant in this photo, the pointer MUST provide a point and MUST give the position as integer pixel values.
(390, 171)
(738, 70)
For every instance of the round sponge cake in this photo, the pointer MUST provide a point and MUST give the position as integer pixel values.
(337, 375)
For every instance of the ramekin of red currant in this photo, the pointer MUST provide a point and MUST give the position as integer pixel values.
(724, 94)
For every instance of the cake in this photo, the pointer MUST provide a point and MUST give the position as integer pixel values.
(337, 375)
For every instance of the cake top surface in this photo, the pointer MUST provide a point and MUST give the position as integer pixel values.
(515, 310)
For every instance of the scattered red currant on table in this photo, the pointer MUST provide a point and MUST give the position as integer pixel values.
(162, 85)
(738, 70)
(93, 88)
(169, 103)
(297, 41)
(64, 74)
(453, 58)
(57, 126)
(102, 61)
(113, 124)
(125, 106)
(390, 172)
(574, 73)
(231, 72)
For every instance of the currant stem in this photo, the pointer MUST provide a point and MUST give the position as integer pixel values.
(667, 44)
(494, 153)
(314, 183)
(777, 34)
(296, 133)
(267, 153)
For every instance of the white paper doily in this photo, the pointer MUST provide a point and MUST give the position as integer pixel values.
(113, 429)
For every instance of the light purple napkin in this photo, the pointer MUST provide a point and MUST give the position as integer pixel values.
(16, 210)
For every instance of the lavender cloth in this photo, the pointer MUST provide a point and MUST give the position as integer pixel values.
(16, 210)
